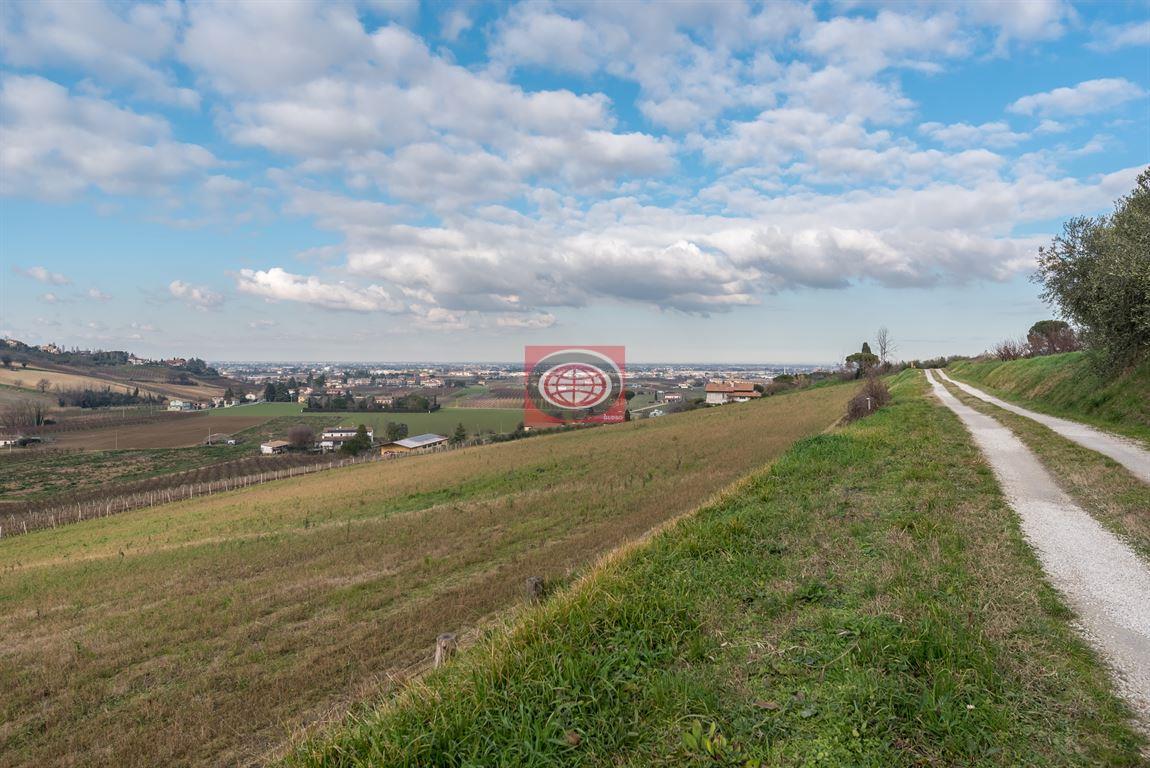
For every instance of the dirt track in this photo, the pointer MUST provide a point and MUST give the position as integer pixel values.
(1103, 579)
(1126, 452)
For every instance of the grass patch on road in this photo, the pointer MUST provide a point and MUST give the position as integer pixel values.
(1100, 485)
(869, 601)
(1066, 385)
(208, 631)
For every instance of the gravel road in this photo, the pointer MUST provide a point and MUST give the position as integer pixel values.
(1105, 582)
(1126, 452)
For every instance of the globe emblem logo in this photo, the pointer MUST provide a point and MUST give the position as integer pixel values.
(571, 385)
(575, 385)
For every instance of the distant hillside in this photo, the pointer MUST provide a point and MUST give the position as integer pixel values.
(1066, 385)
(24, 365)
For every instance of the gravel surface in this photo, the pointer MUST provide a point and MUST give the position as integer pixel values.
(1126, 452)
(1105, 582)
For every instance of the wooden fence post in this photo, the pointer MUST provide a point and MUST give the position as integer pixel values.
(444, 648)
(534, 589)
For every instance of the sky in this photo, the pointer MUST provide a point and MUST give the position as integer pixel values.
(697, 181)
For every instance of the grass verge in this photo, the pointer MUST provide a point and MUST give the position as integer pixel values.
(1066, 385)
(868, 601)
(1101, 486)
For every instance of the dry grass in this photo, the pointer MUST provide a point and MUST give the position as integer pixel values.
(208, 631)
(188, 430)
(28, 377)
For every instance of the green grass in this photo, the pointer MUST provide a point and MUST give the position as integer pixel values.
(270, 410)
(868, 601)
(1066, 385)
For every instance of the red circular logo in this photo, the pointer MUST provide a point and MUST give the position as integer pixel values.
(575, 385)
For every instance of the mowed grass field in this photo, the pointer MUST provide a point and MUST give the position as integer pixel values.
(210, 631)
(184, 431)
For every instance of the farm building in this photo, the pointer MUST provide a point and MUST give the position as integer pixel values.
(274, 446)
(333, 438)
(417, 443)
(721, 392)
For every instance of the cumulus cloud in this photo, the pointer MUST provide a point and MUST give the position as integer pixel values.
(196, 296)
(1085, 98)
(1109, 37)
(42, 275)
(996, 134)
(869, 45)
(97, 295)
(123, 44)
(57, 144)
(277, 284)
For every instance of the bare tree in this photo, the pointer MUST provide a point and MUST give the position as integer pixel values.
(43, 385)
(23, 414)
(301, 436)
(886, 346)
(1011, 349)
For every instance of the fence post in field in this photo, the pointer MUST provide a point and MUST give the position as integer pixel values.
(534, 589)
(444, 648)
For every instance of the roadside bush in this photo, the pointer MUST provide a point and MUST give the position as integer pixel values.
(870, 398)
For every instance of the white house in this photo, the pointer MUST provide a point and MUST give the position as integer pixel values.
(274, 446)
(333, 438)
(721, 392)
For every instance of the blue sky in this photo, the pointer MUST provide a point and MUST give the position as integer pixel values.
(697, 181)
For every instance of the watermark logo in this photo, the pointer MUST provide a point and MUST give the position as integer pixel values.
(572, 385)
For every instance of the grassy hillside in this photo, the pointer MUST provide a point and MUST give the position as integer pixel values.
(869, 601)
(1065, 385)
(97, 378)
(208, 631)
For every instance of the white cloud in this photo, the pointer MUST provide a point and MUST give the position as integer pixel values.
(255, 47)
(43, 275)
(1025, 21)
(55, 145)
(277, 284)
(1082, 99)
(869, 45)
(196, 296)
(50, 298)
(997, 134)
(454, 23)
(121, 45)
(97, 295)
(1113, 37)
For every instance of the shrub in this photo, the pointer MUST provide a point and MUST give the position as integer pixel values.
(1011, 349)
(870, 398)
